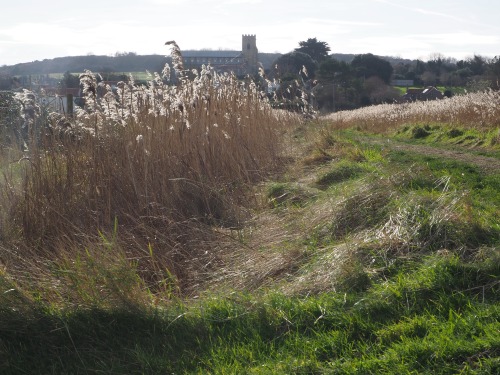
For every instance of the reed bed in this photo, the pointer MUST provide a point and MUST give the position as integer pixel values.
(479, 110)
(154, 167)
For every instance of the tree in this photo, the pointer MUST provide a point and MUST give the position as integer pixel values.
(429, 78)
(435, 64)
(331, 68)
(314, 48)
(376, 91)
(336, 87)
(494, 72)
(69, 81)
(440, 67)
(5, 81)
(369, 65)
(477, 64)
(294, 72)
(10, 119)
(420, 67)
(292, 64)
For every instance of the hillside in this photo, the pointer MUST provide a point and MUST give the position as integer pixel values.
(122, 63)
(77, 64)
(125, 63)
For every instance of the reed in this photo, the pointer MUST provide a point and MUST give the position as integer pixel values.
(168, 161)
(479, 110)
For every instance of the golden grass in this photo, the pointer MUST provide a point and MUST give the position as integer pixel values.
(167, 162)
(479, 110)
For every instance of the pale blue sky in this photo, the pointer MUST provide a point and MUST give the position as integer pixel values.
(36, 30)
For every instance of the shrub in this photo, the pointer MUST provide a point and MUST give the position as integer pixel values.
(453, 133)
(419, 132)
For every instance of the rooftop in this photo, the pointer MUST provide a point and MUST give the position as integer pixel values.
(211, 53)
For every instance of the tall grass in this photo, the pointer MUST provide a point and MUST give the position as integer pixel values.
(166, 161)
(474, 110)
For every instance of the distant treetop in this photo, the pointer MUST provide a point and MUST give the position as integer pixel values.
(314, 48)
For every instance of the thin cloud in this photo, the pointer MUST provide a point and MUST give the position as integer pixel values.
(421, 46)
(421, 11)
(428, 12)
(462, 38)
(240, 2)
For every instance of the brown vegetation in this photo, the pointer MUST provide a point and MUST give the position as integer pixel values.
(480, 110)
(145, 173)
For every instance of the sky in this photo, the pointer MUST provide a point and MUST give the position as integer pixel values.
(36, 30)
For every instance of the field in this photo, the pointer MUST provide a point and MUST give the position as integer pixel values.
(193, 229)
(455, 90)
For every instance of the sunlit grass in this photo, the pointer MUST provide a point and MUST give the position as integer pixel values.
(478, 111)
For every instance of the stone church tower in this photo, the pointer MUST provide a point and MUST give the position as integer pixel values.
(250, 52)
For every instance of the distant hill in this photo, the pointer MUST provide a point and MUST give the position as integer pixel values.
(348, 57)
(74, 64)
(129, 62)
(117, 64)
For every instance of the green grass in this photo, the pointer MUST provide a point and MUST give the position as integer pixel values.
(283, 194)
(441, 317)
(480, 190)
(475, 140)
(454, 90)
(341, 171)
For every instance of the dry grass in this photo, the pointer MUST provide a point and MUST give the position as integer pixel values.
(316, 240)
(167, 162)
(479, 110)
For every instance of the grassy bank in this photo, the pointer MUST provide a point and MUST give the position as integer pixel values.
(440, 316)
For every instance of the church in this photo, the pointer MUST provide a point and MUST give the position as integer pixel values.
(240, 62)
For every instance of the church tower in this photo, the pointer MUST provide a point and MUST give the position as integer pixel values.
(249, 50)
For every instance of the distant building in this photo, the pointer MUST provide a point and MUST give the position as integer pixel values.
(422, 94)
(402, 82)
(240, 62)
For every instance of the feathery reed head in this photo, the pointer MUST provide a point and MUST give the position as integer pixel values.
(177, 61)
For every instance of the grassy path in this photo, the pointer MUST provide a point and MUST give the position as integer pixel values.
(487, 164)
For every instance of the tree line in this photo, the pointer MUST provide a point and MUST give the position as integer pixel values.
(366, 79)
